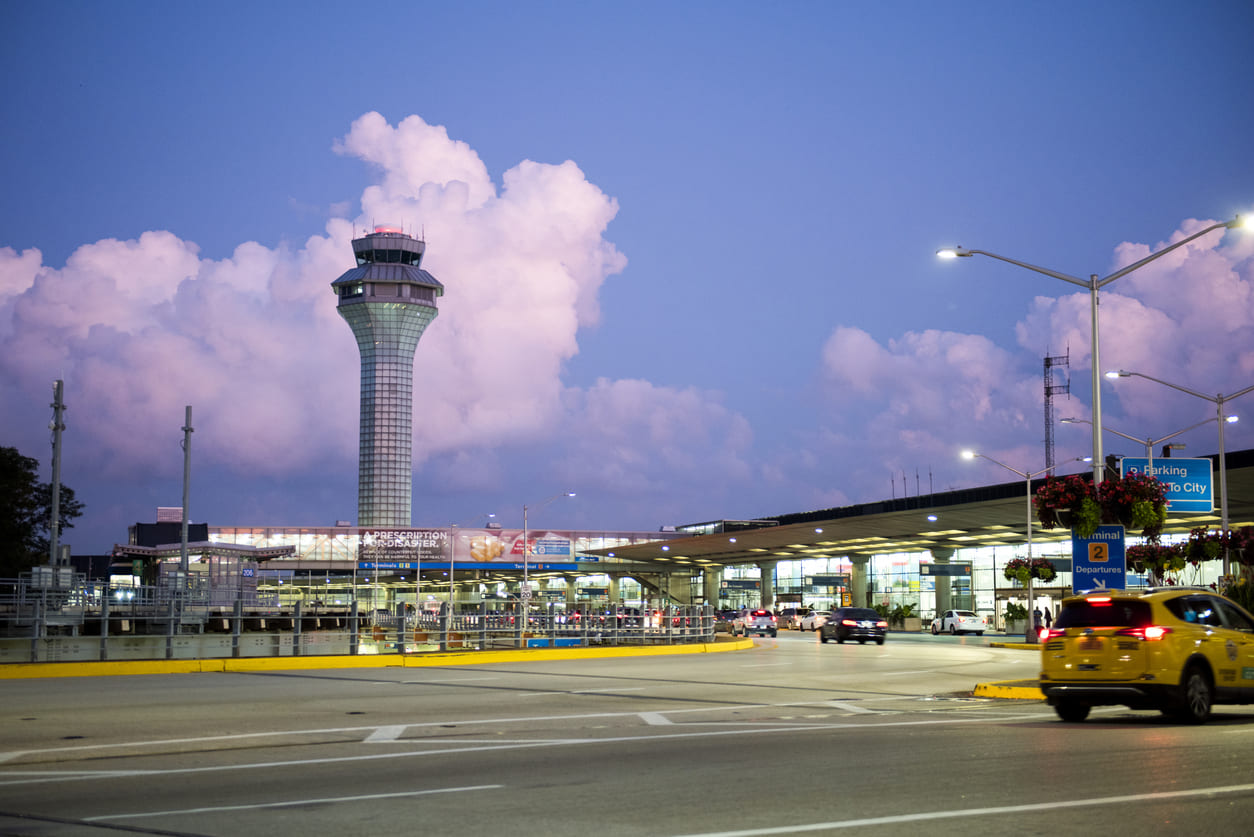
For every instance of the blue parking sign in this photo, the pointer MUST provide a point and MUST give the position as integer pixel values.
(1098, 562)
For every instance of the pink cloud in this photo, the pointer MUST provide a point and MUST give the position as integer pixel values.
(1187, 318)
(141, 328)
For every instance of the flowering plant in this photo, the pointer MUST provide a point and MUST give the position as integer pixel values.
(1154, 558)
(1241, 591)
(1020, 570)
(1137, 501)
(1204, 545)
(1241, 544)
(1061, 494)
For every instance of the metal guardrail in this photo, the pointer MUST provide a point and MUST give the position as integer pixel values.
(52, 614)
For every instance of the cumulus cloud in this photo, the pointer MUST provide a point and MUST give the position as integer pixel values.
(1187, 318)
(914, 402)
(142, 328)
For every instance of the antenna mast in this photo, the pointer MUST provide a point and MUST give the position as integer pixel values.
(1052, 389)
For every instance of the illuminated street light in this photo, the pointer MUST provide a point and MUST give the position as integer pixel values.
(1094, 284)
(1030, 635)
(1150, 443)
(1219, 401)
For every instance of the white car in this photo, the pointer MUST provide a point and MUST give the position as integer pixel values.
(815, 619)
(959, 622)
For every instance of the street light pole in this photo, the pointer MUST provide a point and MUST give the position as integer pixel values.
(527, 540)
(1094, 284)
(452, 552)
(1148, 442)
(1030, 635)
(1219, 401)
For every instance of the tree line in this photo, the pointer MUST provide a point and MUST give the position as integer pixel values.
(26, 513)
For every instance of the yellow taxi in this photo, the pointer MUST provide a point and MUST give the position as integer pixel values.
(1179, 650)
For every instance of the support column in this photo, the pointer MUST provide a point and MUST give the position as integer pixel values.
(857, 580)
(712, 586)
(941, 555)
(767, 569)
(613, 590)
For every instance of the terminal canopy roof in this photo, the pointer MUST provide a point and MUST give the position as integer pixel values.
(995, 515)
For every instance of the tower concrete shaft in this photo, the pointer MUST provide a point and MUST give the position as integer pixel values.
(387, 300)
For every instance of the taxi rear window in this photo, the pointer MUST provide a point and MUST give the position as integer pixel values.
(1119, 613)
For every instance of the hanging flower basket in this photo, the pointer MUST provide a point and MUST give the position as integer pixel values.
(1136, 501)
(1060, 501)
(1021, 570)
(1155, 559)
(1241, 545)
(1204, 545)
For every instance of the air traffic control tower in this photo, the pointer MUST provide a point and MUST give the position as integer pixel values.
(388, 301)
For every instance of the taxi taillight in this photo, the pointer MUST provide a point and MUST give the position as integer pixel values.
(1149, 632)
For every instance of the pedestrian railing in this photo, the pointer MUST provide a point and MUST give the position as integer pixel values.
(67, 618)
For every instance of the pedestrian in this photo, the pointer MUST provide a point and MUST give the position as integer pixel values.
(1048, 618)
(1036, 620)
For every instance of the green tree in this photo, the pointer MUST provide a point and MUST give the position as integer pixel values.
(26, 513)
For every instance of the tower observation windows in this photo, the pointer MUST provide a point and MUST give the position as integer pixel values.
(388, 257)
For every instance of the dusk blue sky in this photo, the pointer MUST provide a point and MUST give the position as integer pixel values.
(688, 247)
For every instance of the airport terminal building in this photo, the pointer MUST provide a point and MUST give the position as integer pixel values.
(922, 554)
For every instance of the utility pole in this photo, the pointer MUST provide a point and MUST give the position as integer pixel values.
(57, 425)
(187, 481)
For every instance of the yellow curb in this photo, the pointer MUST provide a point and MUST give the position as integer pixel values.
(1021, 646)
(1004, 689)
(18, 671)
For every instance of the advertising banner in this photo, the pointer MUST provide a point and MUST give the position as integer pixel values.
(386, 545)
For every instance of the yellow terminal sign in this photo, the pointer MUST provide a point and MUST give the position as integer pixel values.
(1099, 553)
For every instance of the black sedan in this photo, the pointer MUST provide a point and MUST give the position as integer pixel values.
(860, 623)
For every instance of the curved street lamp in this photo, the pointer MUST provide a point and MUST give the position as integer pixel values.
(1219, 401)
(1148, 442)
(1030, 635)
(1094, 284)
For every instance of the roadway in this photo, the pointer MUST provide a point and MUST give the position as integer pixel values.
(791, 736)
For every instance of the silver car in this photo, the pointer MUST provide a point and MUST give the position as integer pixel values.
(815, 619)
(761, 622)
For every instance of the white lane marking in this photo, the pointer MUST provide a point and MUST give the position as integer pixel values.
(384, 734)
(900, 673)
(288, 804)
(582, 692)
(448, 680)
(765, 665)
(760, 728)
(527, 719)
(976, 812)
(656, 719)
(849, 707)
